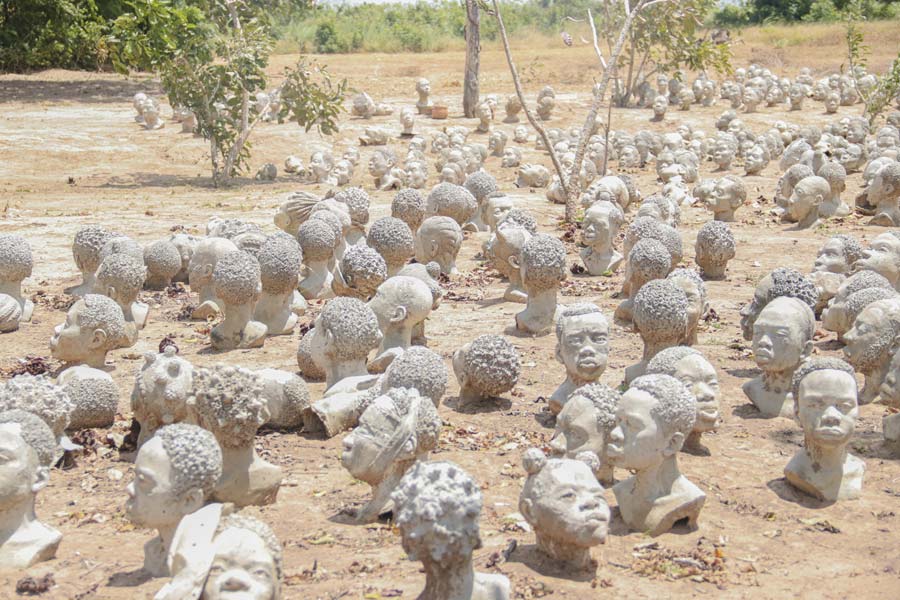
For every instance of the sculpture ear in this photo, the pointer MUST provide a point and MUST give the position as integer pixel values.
(41, 479)
(192, 501)
(674, 445)
(207, 270)
(98, 339)
(807, 349)
(434, 247)
(409, 447)
(399, 315)
(513, 260)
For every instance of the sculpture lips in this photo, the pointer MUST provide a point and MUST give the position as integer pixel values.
(830, 432)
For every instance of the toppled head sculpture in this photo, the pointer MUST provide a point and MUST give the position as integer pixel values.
(485, 368)
(565, 504)
(582, 346)
(437, 506)
(175, 473)
(691, 368)
(29, 450)
(655, 416)
(94, 326)
(825, 405)
(397, 429)
(584, 425)
(229, 402)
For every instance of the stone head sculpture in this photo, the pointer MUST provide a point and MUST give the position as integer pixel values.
(454, 201)
(439, 239)
(649, 228)
(871, 342)
(648, 260)
(756, 160)
(121, 277)
(825, 405)
(393, 240)
(380, 165)
(423, 89)
(655, 416)
(229, 402)
(481, 185)
(838, 255)
(512, 158)
(599, 230)
(417, 369)
(884, 195)
(661, 318)
(94, 396)
(279, 271)
(236, 283)
(836, 317)
(409, 206)
(543, 268)
(38, 395)
(200, 274)
(86, 251)
(782, 340)
(400, 304)
(565, 504)
(497, 143)
(691, 368)
(582, 346)
(16, 264)
(163, 261)
(883, 257)
(836, 176)
(436, 508)
(660, 106)
(362, 270)
(486, 367)
(318, 240)
(496, 207)
(692, 285)
(723, 153)
(345, 332)
(357, 202)
(397, 429)
(780, 282)
(29, 450)
(808, 196)
(504, 250)
(160, 392)
(715, 246)
(94, 325)
(584, 424)
(728, 195)
(175, 473)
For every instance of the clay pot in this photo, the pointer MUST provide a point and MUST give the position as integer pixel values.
(439, 112)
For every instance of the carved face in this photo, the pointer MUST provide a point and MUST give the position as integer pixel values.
(629, 157)
(152, 502)
(319, 163)
(572, 508)
(638, 442)
(755, 160)
(342, 172)
(827, 407)
(882, 256)
(497, 209)
(584, 346)
(415, 174)
(723, 154)
(881, 190)
(832, 102)
(696, 305)
(701, 379)
(724, 196)
(866, 345)
(378, 165)
(70, 341)
(242, 568)
(890, 387)
(660, 104)
(803, 200)
(831, 258)
(751, 310)
(597, 228)
(779, 343)
(577, 429)
(21, 475)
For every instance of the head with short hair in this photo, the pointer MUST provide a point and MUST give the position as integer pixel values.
(345, 330)
(393, 240)
(229, 402)
(279, 264)
(489, 364)
(38, 394)
(121, 277)
(318, 239)
(543, 262)
(410, 207)
(363, 269)
(420, 369)
(661, 312)
(86, 247)
(236, 278)
(16, 262)
(34, 432)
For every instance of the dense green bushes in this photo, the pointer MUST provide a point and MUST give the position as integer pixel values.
(751, 12)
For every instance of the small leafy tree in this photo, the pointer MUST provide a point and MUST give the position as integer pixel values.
(878, 98)
(212, 60)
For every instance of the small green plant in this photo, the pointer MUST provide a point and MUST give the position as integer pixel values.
(876, 98)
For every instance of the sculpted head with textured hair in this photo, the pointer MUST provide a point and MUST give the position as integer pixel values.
(543, 268)
(236, 282)
(654, 418)
(582, 346)
(175, 473)
(121, 277)
(825, 405)
(883, 257)
(661, 318)
(86, 247)
(400, 304)
(600, 228)
(396, 429)
(782, 281)
(436, 509)
(871, 342)
(94, 326)
(345, 332)
(486, 367)
(439, 239)
(16, 264)
(229, 402)
(584, 424)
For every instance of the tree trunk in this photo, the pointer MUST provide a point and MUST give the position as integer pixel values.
(473, 49)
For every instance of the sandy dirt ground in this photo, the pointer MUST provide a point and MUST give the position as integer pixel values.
(71, 155)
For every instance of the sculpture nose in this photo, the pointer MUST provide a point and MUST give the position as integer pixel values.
(831, 417)
(616, 435)
(234, 581)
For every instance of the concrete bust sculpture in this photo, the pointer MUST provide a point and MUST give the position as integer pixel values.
(393, 240)
(439, 239)
(397, 429)
(565, 504)
(424, 103)
(715, 246)
(782, 339)
(175, 473)
(661, 318)
(728, 195)
(780, 282)
(121, 277)
(825, 405)
(437, 506)
(543, 268)
(94, 326)
(86, 252)
(835, 317)
(160, 393)
(164, 262)
(600, 228)
(29, 450)
(871, 342)
(655, 416)
(584, 425)
(582, 346)
(838, 255)
(38, 395)
(236, 283)
(504, 250)
(400, 304)
(454, 201)
(16, 264)
(362, 270)
(318, 242)
(883, 257)
(345, 332)
(279, 270)
(486, 367)
(648, 260)
(409, 206)
(691, 368)
(200, 274)
(805, 202)
(229, 402)
(94, 395)
(693, 287)
(884, 195)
